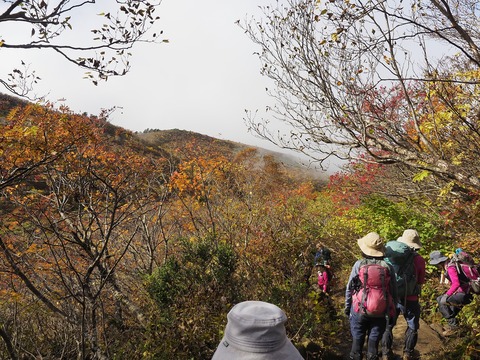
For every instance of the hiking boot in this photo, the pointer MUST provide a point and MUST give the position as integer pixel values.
(387, 355)
(356, 356)
(450, 331)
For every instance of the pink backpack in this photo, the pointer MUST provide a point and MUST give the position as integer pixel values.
(465, 265)
(373, 296)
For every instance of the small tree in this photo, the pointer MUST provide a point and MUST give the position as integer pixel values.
(71, 223)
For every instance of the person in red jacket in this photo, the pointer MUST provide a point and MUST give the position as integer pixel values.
(456, 297)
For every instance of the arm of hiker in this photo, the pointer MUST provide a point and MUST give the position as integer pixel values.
(454, 280)
(420, 265)
(348, 290)
(420, 270)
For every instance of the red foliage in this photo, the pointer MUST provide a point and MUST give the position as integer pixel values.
(347, 189)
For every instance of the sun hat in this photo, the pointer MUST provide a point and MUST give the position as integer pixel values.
(411, 238)
(372, 245)
(436, 257)
(256, 331)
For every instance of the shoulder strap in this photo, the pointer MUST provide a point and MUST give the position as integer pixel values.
(461, 274)
(384, 264)
(364, 294)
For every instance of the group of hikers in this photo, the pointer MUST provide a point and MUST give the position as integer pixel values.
(387, 282)
(384, 283)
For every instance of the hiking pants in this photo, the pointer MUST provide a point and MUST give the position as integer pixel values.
(411, 313)
(450, 306)
(360, 326)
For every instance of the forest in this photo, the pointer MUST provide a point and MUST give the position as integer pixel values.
(123, 245)
(118, 246)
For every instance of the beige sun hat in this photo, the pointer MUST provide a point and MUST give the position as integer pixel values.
(411, 238)
(256, 331)
(372, 245)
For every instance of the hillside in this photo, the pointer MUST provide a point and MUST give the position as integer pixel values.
(175, 140)
(170, 143)
(8, 102)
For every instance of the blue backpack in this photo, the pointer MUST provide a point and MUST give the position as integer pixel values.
(400, 256)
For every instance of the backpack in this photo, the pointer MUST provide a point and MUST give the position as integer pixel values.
(372, 296)
(400, 256)
(322, 256)
(468, 270)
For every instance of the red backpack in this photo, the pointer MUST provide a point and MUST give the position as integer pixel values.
(372, 297)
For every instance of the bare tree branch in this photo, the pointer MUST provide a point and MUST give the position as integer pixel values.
(351, 83)
(103, 51)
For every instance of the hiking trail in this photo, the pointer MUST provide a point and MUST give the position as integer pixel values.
(429, 344)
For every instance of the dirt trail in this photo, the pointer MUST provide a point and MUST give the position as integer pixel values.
(429, 345)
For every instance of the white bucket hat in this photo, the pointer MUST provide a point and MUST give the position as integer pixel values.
(411, 238)
(256, 331)
(372, 245)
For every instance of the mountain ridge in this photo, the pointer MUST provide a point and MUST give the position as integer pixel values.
(168, 142)
(173, 139)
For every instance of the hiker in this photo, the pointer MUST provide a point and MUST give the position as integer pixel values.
(256, 330)
(451, 303)
(323, 278)
(322, 256)
(370, 297)
(410, 275)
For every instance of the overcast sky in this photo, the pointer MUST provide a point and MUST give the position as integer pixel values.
(202, 80)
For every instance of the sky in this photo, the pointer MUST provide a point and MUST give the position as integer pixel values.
(202, 80)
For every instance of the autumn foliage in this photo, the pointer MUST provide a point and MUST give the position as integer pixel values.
(111, 248)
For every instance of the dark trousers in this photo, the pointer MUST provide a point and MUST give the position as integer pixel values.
(411, 313)
(450, 306)
(360, 326)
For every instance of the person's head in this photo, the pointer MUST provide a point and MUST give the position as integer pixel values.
(438, 258)
(256, 331)
(411, 238)
(372, 245)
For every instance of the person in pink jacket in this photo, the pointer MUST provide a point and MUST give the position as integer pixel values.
(456, 297)
(323, 278)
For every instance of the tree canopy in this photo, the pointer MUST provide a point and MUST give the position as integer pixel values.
(376, 81)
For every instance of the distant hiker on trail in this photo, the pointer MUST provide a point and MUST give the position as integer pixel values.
(322, 256)
(370, 297)
(322, 262)
(323, 278)
(451, 303)
(410, 275)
